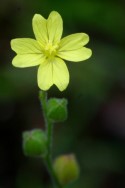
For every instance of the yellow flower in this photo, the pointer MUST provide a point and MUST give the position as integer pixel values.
(49, 49)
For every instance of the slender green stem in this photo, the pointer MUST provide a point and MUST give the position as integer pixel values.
(43, 100)
(48, 123)
(49, 136)
(52, 173)
(49, 129)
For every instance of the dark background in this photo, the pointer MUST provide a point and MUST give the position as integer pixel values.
(95, 129)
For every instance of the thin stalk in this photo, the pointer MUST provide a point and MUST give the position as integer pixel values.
(49, 130)
(43, 101)
(48, 123)
(49, 165)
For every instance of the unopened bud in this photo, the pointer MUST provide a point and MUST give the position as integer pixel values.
(66, 169)
(57, 109)
(34, 143)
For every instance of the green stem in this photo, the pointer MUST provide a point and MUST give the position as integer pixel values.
(48, 123)
(49, 136)
(49, 165)
(43, 100)
(49, 129)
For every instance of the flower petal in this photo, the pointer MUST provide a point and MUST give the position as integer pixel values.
(73, 42)
(25, 46)
(54, 27)
(28, 60)
(40, 29)
(45, 75)
(60, 74)
(53, 71)
(75, 55)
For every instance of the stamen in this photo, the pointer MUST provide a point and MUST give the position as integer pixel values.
(50, 49)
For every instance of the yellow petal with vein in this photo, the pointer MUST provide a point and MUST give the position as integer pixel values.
(76, 55)
(60, 74)
(40, 29)
(73, 42)
(45, 75)
(53, 71)
(54, 27)
(25, 46)
(28, 60)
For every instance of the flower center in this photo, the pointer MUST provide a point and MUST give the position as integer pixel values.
(50, 49)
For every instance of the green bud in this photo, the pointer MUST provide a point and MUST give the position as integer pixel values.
(66, 169)
(57, 109)
(34, 143)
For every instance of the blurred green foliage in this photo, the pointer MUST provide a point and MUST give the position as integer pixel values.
(95, 129)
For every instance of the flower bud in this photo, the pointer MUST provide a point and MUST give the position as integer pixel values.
(57, 109)
(66, 169)
(34, 143)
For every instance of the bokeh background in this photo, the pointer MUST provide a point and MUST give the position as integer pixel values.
(95, 129)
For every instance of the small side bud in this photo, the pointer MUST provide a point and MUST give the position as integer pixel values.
(57, 109)
(66, 169)
(34, 143)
